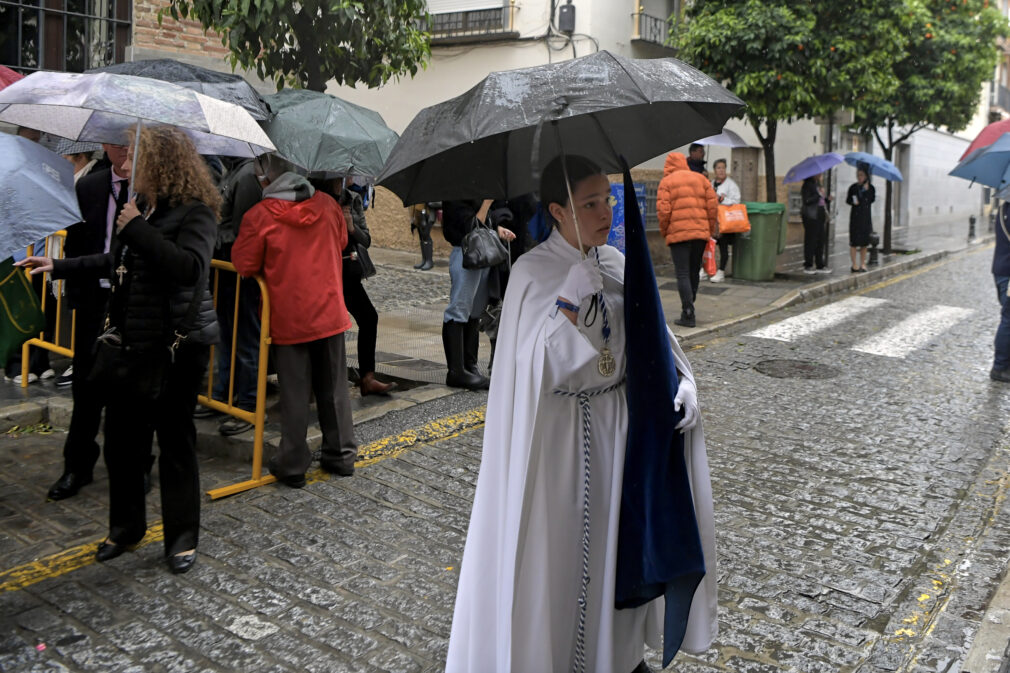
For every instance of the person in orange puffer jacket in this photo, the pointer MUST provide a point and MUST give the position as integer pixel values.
(687, 208)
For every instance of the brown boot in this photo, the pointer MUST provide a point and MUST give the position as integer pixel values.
(370, 386)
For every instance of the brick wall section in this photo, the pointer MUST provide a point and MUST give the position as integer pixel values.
(172, 36)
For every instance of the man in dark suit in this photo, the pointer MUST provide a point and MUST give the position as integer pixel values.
(101, 196)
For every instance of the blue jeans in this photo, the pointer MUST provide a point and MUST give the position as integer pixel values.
(247, 341)
(467, 290)
(1001, 350)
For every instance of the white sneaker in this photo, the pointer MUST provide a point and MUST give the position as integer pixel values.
(718, 277)
(32, 378)
(809, 270)
(702, 275)
(48, 374)
(824, 270)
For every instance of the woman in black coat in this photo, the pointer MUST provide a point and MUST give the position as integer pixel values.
(162, 314)
(861, 196)
(815, 215)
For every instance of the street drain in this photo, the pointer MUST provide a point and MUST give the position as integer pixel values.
(796, 369)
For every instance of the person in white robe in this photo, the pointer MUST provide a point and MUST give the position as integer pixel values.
(518, 600)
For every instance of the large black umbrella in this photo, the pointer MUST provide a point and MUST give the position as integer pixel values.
(221, 85)
(481, 144)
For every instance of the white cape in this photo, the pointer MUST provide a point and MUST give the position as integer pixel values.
(517, 599)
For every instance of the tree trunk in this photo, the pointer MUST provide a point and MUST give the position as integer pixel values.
(888, 191)
(317, 81)
(768, 144)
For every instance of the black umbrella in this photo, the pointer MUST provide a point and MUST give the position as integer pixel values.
(221, 85)
(481, 144)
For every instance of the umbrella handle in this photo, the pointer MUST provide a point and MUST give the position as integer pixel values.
(568, 187)
(133, 164)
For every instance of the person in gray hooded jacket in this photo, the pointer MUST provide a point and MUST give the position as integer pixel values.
(294, 238)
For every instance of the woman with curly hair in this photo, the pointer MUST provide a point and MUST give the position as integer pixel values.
(161, 315)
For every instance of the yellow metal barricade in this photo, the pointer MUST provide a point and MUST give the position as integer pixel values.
(53, 248)
(258, 416)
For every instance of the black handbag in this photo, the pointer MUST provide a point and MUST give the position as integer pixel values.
(482, 248)
(120, 372)
(367, 267)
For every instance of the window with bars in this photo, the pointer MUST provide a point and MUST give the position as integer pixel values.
(469, 20)
(68, 35)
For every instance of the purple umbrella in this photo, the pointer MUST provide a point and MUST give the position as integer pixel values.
(813, 166)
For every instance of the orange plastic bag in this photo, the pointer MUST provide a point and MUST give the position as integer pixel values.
(708, 259)
(733, 219)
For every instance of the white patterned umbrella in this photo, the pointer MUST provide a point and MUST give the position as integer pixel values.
(107, 108)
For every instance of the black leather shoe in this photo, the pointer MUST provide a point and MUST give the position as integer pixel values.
(335, 468)
(291, 480)
(68, 485)
(686, 319)
(108, 550)
(1001, 375)
(181, 563)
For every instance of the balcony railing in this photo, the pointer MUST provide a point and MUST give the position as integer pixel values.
(472, 25)
(652, 29)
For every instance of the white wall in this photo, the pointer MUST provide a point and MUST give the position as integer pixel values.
(934, 196)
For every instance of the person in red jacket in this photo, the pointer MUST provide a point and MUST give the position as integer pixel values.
(294, 238)
(687, 208)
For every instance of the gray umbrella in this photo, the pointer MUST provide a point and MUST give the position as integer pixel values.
(493, 140)
(220, 85)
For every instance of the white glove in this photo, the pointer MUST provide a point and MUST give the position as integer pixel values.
(583, 280)
(687, 397)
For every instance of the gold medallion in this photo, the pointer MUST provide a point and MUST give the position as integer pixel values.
(606, 363)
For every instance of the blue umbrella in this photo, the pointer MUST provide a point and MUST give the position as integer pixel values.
(37, 196)
(813, 166)
(989, 166)
(878, 166)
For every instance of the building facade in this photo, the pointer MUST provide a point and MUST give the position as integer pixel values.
(473, 37)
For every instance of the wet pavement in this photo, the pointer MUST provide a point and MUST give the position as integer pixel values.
(860, 488)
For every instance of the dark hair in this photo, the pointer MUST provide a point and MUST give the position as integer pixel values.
(695, 146)
(719, 161)
(552, 181)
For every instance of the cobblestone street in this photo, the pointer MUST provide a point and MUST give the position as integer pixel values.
(859, 464)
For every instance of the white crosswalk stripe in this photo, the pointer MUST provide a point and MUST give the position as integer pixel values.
(817, 319)
(913, 332)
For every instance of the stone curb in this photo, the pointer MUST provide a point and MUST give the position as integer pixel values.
(831, 287)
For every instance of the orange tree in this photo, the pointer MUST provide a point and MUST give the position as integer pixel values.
(792, 59)
(951, 52)
(310, 42)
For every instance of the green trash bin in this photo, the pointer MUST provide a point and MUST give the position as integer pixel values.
(754, 253)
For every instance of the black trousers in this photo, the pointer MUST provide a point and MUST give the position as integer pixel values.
(318, 367)
(80, 450)
(725, 241)
(813, 241)
(361, 307)
(130, 425)
(687, 264)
